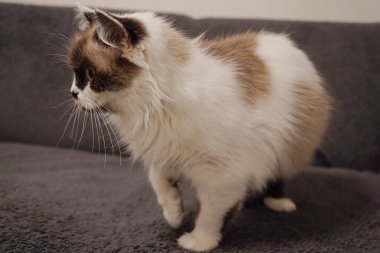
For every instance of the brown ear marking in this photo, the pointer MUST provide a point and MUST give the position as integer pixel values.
(251, 71)
(111, 29)
(90, 16)
(117, 29)
(135, 28)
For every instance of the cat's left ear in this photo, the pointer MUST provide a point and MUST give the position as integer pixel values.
(84, 16)
(116, 31)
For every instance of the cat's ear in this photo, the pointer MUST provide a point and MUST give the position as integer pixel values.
(84, 16)
(110, 30)
(115, 30)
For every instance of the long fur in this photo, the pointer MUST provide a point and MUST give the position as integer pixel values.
(186, 115)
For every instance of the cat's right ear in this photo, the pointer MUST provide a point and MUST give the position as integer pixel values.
(84, 16)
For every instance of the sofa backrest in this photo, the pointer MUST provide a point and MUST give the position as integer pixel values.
(32, 82)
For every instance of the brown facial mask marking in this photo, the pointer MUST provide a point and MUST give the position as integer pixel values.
(113, 72)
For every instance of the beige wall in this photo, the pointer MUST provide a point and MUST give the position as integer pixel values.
(318, 10)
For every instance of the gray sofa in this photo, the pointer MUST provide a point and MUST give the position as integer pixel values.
(59, 199)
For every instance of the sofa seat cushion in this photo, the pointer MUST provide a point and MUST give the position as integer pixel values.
(58, 200)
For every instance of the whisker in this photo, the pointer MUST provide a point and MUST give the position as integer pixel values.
(92, 132)
(109, 135)
(100, 105)
(97, 133)
(58, 35)
(59, 48)
(61, 64)
(63, 90)
(58, 38)
(83, 128)
(114, 134)
(75, 119)
(59, 59)
(69, 107)
(60, 104)
(104, 143)
(106, 121)
(57, 55)
(79, 113)
(75, 126)
(67, 124)
(60, 44)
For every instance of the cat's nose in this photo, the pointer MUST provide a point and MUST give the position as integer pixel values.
(75, 94)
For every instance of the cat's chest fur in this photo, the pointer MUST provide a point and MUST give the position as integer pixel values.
(162, 142)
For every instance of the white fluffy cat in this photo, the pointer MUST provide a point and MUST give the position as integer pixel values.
(231, 115)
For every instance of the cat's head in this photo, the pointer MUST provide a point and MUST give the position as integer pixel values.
(106, 55)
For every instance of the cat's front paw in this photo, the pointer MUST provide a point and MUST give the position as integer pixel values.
(192, 242)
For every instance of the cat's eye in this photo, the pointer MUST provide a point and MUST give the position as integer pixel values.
(90, 73)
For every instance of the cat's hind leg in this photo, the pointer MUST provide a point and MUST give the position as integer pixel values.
(274, 197)
(168, 196)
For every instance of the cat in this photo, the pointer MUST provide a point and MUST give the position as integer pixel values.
(232, 115)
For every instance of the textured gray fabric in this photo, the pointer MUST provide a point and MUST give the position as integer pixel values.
(346, 54)
(54, 201)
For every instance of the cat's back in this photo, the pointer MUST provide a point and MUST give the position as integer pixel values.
(264, 63)
(282, 91)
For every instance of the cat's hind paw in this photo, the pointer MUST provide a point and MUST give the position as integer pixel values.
(280, 204)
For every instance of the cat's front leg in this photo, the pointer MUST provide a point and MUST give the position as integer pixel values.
(217, 197)
(168, 196)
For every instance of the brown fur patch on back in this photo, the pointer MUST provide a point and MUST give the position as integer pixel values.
(239, 50)
(311, 117)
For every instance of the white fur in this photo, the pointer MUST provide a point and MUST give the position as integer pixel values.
(191, 120)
